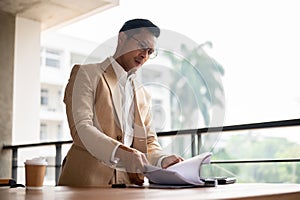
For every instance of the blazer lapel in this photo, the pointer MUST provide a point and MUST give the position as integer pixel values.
(112, 82)
(139, 128)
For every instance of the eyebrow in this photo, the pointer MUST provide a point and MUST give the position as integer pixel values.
(145, 41)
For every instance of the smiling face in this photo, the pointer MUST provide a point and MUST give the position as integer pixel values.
(134, 50)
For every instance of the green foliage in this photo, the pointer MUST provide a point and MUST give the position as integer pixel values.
(253, 146)
(196, 84)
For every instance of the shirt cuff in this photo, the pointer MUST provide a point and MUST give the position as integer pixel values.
(158, 164)
(114, 160)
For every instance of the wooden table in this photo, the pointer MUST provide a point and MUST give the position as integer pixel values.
(232, 191)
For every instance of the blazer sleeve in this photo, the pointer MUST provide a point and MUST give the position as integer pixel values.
(154, 150)
(81, 89)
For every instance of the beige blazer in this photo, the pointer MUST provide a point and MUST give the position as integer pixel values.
(93, 107)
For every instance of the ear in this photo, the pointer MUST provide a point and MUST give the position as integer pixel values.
(122, 37)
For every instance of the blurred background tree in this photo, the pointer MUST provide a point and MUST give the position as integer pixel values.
(196, 84)
(197, 89)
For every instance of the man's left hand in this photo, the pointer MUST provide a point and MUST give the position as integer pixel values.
(170, 160)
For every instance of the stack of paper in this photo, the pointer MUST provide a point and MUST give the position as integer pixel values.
(186, 172)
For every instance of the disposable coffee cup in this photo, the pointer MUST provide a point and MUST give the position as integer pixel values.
(35, 170)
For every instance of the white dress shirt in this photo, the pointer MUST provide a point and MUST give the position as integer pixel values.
(124, 79)
(127, 115)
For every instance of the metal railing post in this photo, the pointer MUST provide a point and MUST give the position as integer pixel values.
(14, 162)
(199, 140)
(57, 162)
(193, 144)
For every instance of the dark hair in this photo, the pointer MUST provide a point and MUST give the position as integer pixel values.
(136, 24)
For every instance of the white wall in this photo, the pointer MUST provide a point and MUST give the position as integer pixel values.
(26, 104)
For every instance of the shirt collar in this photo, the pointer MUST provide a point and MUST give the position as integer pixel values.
(122, 75)
(119, 71)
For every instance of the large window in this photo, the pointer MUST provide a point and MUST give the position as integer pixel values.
(51, 57)
(59, 132)
(43, 132)
(44, 97)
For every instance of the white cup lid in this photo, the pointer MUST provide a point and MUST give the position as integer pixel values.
(36, 161)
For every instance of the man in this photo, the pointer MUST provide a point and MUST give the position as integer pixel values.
(109, 115)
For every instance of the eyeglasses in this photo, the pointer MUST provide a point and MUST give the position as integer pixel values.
(152, 53)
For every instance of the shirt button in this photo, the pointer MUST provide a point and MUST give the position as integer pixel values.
(119, 137)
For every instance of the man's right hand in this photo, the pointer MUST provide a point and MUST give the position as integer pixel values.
(133, 161)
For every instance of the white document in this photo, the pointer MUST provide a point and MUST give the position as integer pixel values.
(186, 172)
